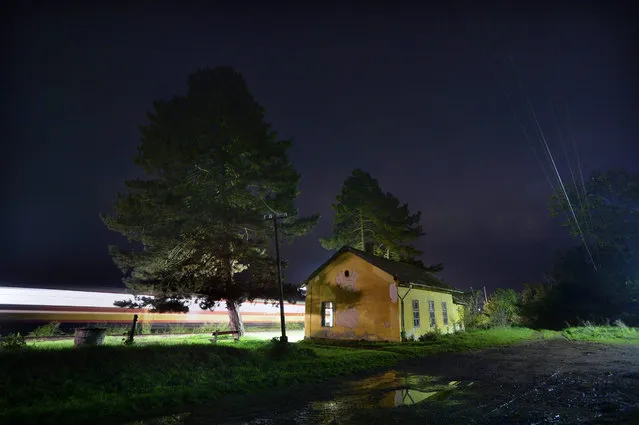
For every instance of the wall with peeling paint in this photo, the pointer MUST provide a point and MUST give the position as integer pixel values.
(366, 303)
(423, 296)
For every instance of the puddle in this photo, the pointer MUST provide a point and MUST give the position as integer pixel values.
(389, 390)
(341, 403)
(326, 404)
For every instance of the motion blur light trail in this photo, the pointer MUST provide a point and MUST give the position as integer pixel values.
(27, 308)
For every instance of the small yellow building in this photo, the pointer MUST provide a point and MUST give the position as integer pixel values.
(357, 295)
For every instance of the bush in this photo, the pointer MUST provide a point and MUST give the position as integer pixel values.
(144, 327)
(50, 329)
(295, 326)
(430, 337)
(502, 308)
(14, 342)
(473, 317)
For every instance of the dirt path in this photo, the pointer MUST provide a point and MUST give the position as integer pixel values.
(553, 381)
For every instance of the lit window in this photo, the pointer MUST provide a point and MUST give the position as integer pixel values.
(416, 313)
(445, 312)
(328, 313)
(431, 310)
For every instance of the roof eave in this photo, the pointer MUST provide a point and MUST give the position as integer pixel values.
(434, 288)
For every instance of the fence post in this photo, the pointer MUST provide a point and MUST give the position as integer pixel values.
(129, 339)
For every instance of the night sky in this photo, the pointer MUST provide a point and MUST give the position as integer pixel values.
(406, 93)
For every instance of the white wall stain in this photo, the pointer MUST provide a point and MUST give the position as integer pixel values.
(348, 318)
(393, 292)
(347, 282)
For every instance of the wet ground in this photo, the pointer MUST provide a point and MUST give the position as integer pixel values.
(544, 382)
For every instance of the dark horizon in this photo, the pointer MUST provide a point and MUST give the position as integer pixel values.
(409, 95)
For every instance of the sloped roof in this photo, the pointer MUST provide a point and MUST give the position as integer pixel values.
(406, 273)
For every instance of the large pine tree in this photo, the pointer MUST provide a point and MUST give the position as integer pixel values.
(365, 214)
(213, 168)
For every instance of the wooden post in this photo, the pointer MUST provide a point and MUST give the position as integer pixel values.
(129, 339)
(275, 217)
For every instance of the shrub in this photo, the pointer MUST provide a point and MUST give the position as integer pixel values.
(50, 329)
(144, 327)
(502, 308)
(472, 315)
(430, 337)
(295, 326)
(14, 342)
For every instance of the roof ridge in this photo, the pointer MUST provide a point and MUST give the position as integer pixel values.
(407, 272)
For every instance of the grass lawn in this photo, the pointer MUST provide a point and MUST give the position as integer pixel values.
(140, 341)
(54, 383)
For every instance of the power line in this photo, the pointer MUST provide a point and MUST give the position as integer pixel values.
(554, 166)
(521, 125)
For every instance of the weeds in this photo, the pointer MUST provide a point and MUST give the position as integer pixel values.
(13, 342)
(50, 329)
(619, 334)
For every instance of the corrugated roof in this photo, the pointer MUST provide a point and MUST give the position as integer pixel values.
(406, 273)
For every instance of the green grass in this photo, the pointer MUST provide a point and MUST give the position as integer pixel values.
(139, 340)
(50, 382)
(57, 385)
(144, 328)
(548, 334)
(462, 341)
(603, 334)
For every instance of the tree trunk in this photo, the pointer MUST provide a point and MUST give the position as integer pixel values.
(235, 317)
(232, 306)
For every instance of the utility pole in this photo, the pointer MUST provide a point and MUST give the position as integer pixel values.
(275, 217)
(485, 296)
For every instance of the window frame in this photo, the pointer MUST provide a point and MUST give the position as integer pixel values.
(330, 305)
(416, 316)
(431, 313)
(445, 313)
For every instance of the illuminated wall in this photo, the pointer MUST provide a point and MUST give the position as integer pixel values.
(365, 297)
(422, 297)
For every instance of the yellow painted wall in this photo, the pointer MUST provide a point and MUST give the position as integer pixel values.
(423, 296)
(364, 303)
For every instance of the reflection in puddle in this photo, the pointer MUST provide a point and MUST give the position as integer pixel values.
(387, 391)
(332, 404)
(411, 389)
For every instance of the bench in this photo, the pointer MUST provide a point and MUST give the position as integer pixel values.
(236, 335)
